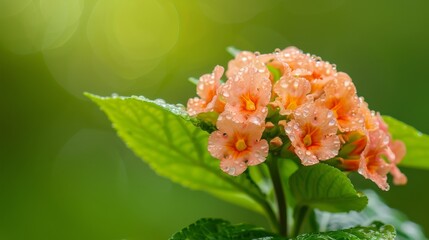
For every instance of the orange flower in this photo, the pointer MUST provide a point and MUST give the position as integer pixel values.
(292, 92)
(207, 89)
(354, 143)
(247, 95)
(372, 165)
(318, 72)
(244, 59)
(237, 145)
(398, 148)
(396, 151)
(340, 97)
(381, 156)
(370, 122)
(312, 133)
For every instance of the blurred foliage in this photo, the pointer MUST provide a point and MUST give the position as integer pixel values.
(217, 229)
(63, 172)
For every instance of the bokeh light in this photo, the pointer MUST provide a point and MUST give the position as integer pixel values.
(64, 174)
(132, 36)
(10, 8)
(40, 24)
(225, 11)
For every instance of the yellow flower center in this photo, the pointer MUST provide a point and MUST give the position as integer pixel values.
(307, 140)
(249, 104)
(292, 105)
(240, 145)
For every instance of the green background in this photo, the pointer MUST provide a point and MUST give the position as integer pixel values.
(64, 174)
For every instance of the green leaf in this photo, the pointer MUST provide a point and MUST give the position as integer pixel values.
(218, 229)
(163, 136)
(376, 210)
(233, 51)
(375, 231)
(417, 143)
(193, 80)
(326, 188)
(275, 72)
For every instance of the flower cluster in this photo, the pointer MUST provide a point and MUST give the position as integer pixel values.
(289, 103)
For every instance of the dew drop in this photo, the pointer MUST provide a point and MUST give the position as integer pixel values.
(332, 122)
(296, 84)
(288, 130)
(308, 153)
(277, 51)
(316, 58)
(386, 140)
(305, 114)
(231, 171)
(255, 120)
(160, 101)
(346, 84)
(257, 53)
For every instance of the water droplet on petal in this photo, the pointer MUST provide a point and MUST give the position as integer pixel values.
(295, 84)
(255, 120)
(231, 171)
(332, 122)
(386, 140)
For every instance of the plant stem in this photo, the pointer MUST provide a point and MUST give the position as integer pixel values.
(269, 213)
(280, 196)
(301, 215)
(271, 216)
